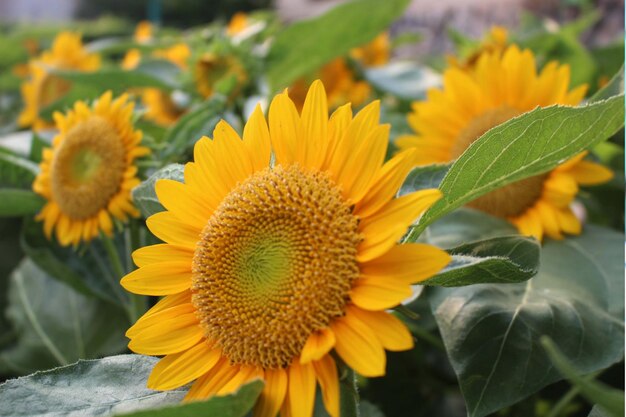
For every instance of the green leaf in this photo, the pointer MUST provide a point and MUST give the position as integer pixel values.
(613, 88)
(55, 325)
(596, 411)
(117, 80)
(16, 171)
(528, 145)
(503, 260)
(611, 400)
(88, 270)
(144, 195)
(424, 177)
(192, 126)
(492, 332)
(348, 396)
(113, 386)
(19, 202)
(307, 45)
(406, 80)
(37, 145)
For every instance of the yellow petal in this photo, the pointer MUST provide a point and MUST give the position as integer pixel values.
(246, 373)
(168, 314)
(183, 202)
(170, 336)
(548, 219)
(383, 230)
(160, 252)
(391, 332)
(161, 278)
(301, 391)
(284, 124)
(314, 143)
(256, 137)
(337, 127)
(379, 293)
(317, 345)
(529, 224)
(231, 157)
(326, 372)
(170, 229)
(412, 262)
(358, 346)
(168, 302)
(178, 369)
(589, 173)
(207, 385)
(273, 393)
(568, 222)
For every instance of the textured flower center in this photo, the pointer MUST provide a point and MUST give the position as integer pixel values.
(510, 200)
(274, 264)
(87, 168)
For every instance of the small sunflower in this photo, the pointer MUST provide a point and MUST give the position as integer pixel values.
(88, 173)
(211, 69)
(237, 24)
(375, 53)
(500, 86)
(144, 32)
(43, 88)
(267, 268)
(495, 41)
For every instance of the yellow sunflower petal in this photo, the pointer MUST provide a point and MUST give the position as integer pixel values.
(358, 346)
(256, 137)
(326, 372)
(173, 335)
(157, 253)
(549, 220)
(161, 278)
(211, 382)
(529, 224)
(273, 393)
(167, 227)
(391, 332)
(168, 301)
(301, 391)
(412, 262)
(245, 375)
(178, 369)
(311, 149)
(379, 293)
(183, 202)
(284, 123)
(568, 222)
(165, 313)
(589, 173)
(318, 345)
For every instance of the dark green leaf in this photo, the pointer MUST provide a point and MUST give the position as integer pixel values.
(492, 332)
(527, 145)
(192, 126)
(424, 177)
(144, 195)
(112, 386)
(611, 400)
(307, 45)
(88, 271)
(503, 260)
(19, 202)
(55, 325)
(16, 171)
(117, 80)
(597, 412)
(37, 145)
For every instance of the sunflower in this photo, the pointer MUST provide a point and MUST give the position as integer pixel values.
(43, 88)
(211, 69)
(375, 53)
(495, 41)
(88, 173)
(500, 86)
(143, 32)
(267, 268)
(237, 24)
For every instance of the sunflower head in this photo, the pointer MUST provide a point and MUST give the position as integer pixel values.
(500, 86)
(375, 53)
(212, 69)
(266, 268)
(87, 175)
(43, 88)
(341, 84)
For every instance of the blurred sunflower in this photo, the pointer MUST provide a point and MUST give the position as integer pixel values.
(160, 108)
(495, 41)
(341, 80)
(499, 87)
(144, 31)
(212, 69)
(43, 88)
(88, 173)
(266, 269)
(237, 23)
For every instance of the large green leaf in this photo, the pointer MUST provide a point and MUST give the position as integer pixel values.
(112, 386)
(19, 202)
(527, 145)
(503, 260)
(144, 195)
(117, 80)
(424, 177)
(16, 171)
(307, 45)
(55, 325)
(492, 332)
(611, 400)
(87, 270)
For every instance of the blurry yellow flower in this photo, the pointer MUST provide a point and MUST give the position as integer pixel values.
(266, 268)
(375, 53)
(43, 88)
(498, 87)
(178, 54)
(131, 60)
(494, 42)
(341, 85)
(143, 32)
(210, 69)
(89, 172)
(237, 23)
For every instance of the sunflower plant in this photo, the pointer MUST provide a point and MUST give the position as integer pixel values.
(251, 218)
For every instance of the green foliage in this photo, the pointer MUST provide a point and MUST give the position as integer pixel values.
(305, 46)
(608, 399)
(424, 177)
(19, 202)
(16, 171)
(112, 386)
(492, 332)
(144, 195)
(613, 88)
(406, 80)
(500, 260)
(54, 325)
(527, 145)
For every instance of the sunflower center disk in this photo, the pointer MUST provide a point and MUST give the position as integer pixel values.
(510, 200)
(274, 264)
(87, 169)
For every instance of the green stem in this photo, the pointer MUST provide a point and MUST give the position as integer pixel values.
(349, 393)
(563, 402)
(426, 336)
